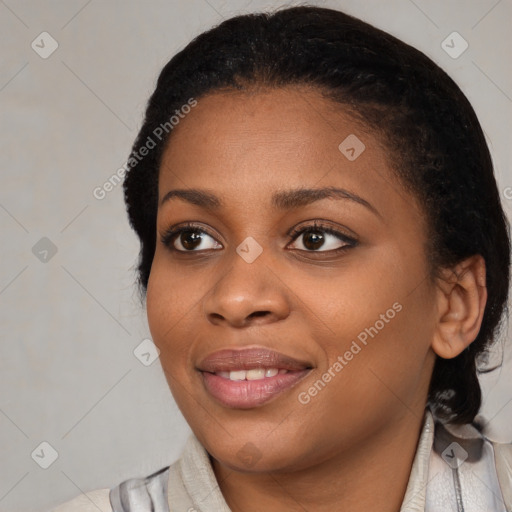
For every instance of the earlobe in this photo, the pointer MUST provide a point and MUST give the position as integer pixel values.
(461, 300)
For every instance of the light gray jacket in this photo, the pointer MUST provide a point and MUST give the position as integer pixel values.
(457, 470)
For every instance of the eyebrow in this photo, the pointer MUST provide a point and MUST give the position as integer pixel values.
(282, 200)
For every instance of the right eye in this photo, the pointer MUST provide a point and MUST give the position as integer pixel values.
(188, 238)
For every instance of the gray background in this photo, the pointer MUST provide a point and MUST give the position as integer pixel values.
(70, 324)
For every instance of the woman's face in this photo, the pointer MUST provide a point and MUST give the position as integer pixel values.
(350, 313)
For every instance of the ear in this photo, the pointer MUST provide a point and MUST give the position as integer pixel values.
(461, 299)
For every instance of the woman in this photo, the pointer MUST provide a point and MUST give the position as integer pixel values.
(325, 260)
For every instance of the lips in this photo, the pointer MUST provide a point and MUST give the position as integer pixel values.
(250, 377)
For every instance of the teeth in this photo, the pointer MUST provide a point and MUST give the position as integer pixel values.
(253, 374)
(238, 375)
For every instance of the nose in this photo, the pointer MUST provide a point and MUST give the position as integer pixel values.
(247, 294)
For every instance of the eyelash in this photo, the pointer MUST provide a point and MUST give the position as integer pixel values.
(169, 236)
(323, 228)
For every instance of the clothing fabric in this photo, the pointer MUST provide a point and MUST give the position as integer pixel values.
(455, 470)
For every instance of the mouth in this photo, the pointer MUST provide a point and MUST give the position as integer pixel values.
(248, 378)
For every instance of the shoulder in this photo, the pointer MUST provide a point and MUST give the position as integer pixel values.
(178, 483)
(93, 501)
(150, 490)
(489, 461)
(503, 459)
(503, 454)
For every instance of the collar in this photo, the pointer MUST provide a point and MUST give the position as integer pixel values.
(415, 493)
(192, 484)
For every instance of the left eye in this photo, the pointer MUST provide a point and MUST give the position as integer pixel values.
(189, 239)
(326, 238)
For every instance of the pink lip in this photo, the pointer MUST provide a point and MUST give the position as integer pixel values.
(245, 394)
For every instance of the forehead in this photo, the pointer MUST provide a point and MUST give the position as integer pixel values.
(260, 141)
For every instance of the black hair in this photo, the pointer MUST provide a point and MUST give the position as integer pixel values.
(438, 149)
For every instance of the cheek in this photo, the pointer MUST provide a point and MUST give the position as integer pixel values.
(367, 383)
(167, 305)
(157, 303)
(388, 360)
(373, 290)
(381, 319)
(167, 308)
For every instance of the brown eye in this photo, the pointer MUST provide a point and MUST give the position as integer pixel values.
(189, 239)
(322, 237)
(313, 240)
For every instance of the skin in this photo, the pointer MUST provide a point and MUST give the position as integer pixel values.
(351, 447)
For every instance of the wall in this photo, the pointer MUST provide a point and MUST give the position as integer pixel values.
(69, 311)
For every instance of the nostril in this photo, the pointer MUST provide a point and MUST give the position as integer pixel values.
(258, 313)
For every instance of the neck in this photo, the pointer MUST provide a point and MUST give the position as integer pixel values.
(371, 476)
